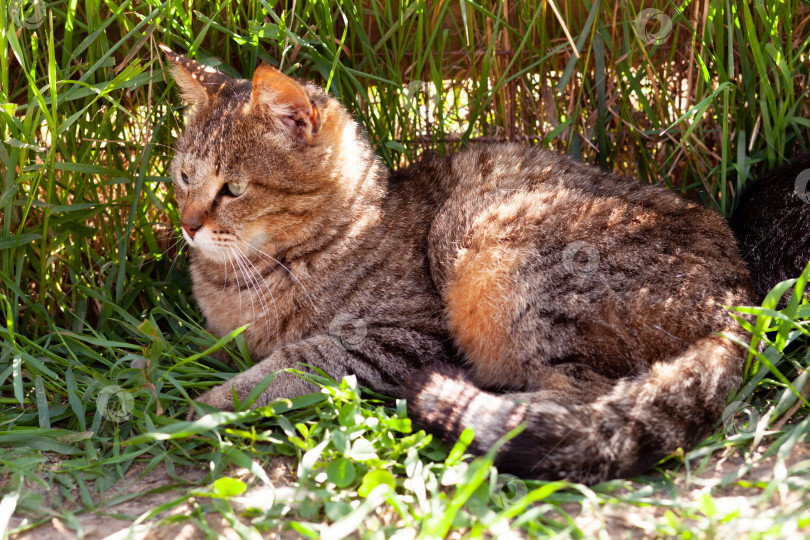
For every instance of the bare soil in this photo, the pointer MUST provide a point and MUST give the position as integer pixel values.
(619, 519)
(112, 521)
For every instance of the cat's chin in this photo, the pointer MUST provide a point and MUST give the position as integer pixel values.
(213, 255)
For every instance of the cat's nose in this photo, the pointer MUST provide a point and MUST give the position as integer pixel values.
(191, 224)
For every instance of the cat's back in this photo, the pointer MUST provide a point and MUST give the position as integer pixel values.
(489, 173)
(550, 201)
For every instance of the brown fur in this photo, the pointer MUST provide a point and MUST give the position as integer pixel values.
(589, 302)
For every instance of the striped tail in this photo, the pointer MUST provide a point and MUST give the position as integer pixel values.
(621, 434)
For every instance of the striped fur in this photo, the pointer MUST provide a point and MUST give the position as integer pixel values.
(498, 286)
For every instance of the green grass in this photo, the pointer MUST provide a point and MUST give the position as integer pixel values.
(101, 339)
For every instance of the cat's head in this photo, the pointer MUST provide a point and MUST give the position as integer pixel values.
(262, 164)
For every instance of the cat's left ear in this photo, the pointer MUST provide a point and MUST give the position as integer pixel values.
(282, 99)
(198, 83)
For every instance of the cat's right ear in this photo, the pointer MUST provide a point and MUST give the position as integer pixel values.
(198, 83)
(284, 101)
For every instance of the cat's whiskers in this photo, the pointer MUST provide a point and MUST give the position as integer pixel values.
(236, 277)
(262, 301)
(179, 239)
(249, 282)
(306, 292)
(258, 276)
(247, 275)
(245, 280)
(165, 251)
(225, 283)
(176, 241)
(179, 251)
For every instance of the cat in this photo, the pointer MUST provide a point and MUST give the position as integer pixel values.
(772, 223)
(500, 286)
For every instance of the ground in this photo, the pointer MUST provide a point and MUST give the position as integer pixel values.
(617, 518)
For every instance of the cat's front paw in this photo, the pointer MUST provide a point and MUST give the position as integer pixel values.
(220, 398)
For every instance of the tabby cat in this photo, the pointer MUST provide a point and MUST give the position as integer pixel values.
(499, 286)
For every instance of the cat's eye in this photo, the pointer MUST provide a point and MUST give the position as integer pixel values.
(184, 177)
(236, 188)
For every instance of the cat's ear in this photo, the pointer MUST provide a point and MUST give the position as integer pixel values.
(198, 83)
(283, 100)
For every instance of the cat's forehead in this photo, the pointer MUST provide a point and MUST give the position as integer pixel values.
(220, 124)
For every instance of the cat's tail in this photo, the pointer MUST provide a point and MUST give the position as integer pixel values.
(620, 434)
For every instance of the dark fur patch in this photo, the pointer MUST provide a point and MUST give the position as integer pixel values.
(772, 223)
